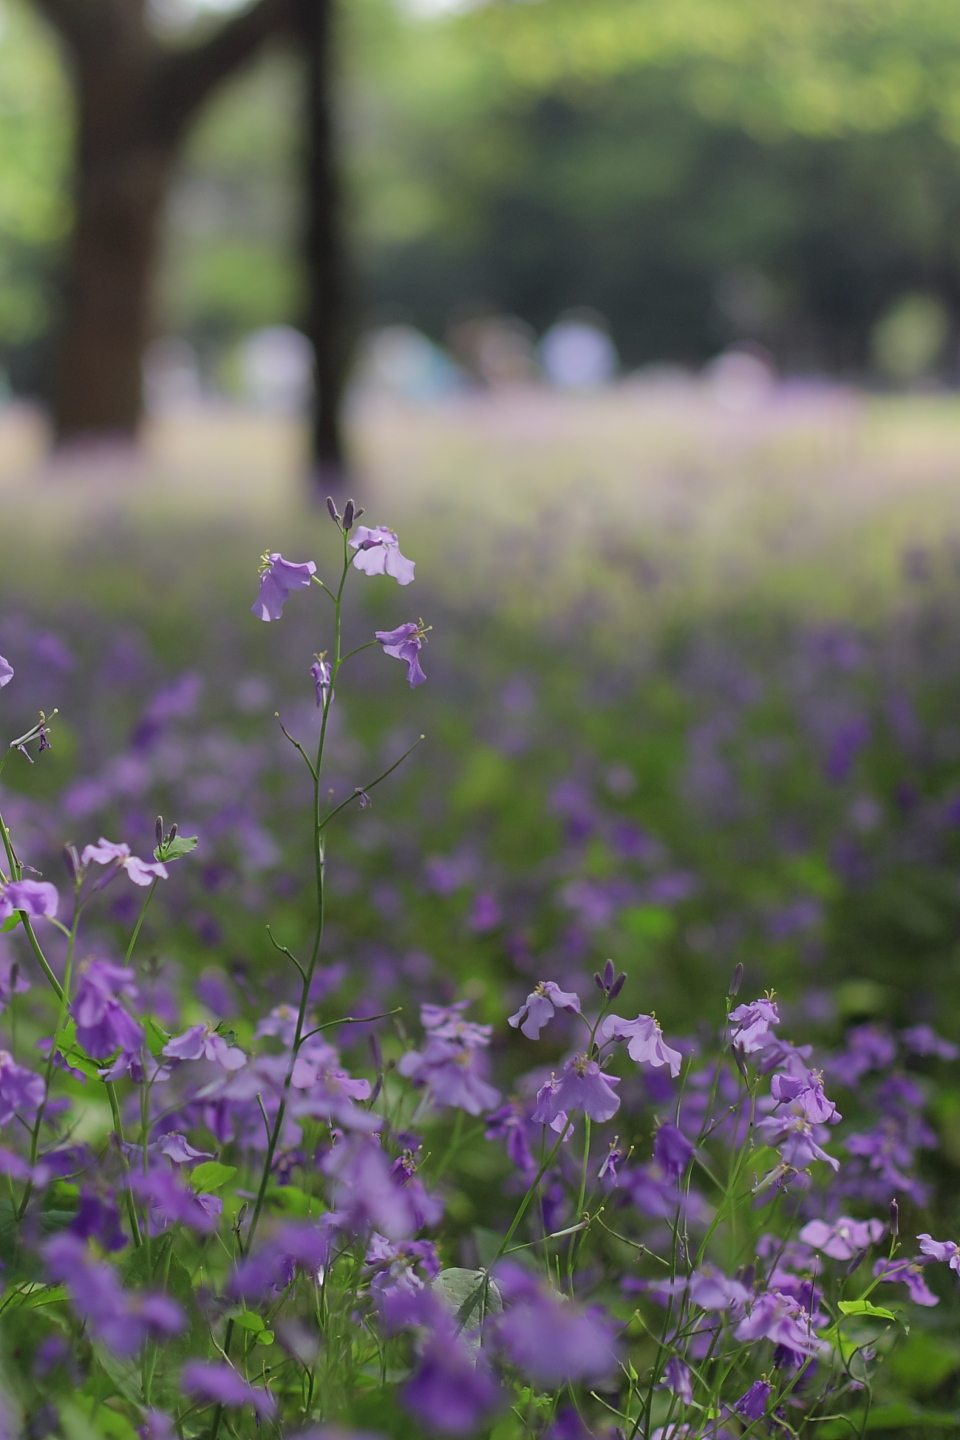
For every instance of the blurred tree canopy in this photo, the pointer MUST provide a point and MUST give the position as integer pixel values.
(697, 170)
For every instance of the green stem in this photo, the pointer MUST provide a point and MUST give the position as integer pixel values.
(136, 928)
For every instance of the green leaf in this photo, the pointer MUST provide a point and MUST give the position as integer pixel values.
(469, 1295)
(176, 848)
(865, 1307)
(10, 924)
(156, 1037)
(250, 1320)
(211, 1175)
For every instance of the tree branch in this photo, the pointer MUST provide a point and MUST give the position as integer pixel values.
(184, 78)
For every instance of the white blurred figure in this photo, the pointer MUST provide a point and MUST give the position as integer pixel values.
(171, 375)
(400, 361)
(276, 369)
(577, 353)
(742, 378)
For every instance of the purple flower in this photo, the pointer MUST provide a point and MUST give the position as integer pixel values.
(795, 1138)
(945, 1251)
(512, 1124)
(805, 1096)
(553, 1340)
(218, 1383)
(646, 1044)
(924, 1040)
(34, 897)
(844, 1238)
(274, 1264)
(452, 1392)
(541, 1006)
(446, 1022)
(752, 1024)
(320, 670)
(395, 1282)
(277, 578)
(452, 1074)
(405, 643)
(21, 1091)
(103, 1025)
(868, 1048)
(122, 1320)
(712, 1290)
(582, 1085)
(909, 1273)
(99, 1219)
(672, 1150)
(752, 1404)
(6, 672)
(365, 1193)
(677, 1377)
(378, 553)
(780, 1318)
(201, 1042)
(141, 872)
(172, 1203)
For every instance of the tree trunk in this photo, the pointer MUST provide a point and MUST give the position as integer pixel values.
(135, 100)
(328, 313)
(106, 315)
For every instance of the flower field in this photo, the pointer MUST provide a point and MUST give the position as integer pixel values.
(552, 1033)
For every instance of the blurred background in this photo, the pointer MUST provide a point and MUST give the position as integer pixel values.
(640, 322)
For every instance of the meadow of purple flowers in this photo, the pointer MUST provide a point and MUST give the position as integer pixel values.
(381, 1139)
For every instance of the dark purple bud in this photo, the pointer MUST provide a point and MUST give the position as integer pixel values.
(333, 510)
(72, 861)
(358, 513)
(158, 829)
(618, 984)
(376, 1054)
(856, 1262)
(740, 1060)
(349, 511)
(748, 1276)
(608, 974)
(173, 831)
(894, 1219)
(737, 979)
(375, 1092)
(597, 980)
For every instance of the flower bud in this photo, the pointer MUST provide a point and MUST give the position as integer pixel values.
(72, 861)
(894, 1219)
(608, 973)
(349, 511)
(158, 829)
(173, 832)
(736, 979)
(598, 981)
(333, 510)
(740, 1060)
(618, 984)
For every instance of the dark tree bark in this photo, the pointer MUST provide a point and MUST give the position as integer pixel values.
(135, 99)
(328, 316)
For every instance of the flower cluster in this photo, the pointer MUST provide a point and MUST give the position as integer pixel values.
(243, 1210)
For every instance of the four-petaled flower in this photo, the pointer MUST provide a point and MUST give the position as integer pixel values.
(378, 553)
(6, 672)
(645, 1042)
(844, 1238)
(540, 1006)
(141, 872)
(752, 1024)
(277, 578)
(581, 1086)
(945, 1251)
(405, 644)
(34, 897)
